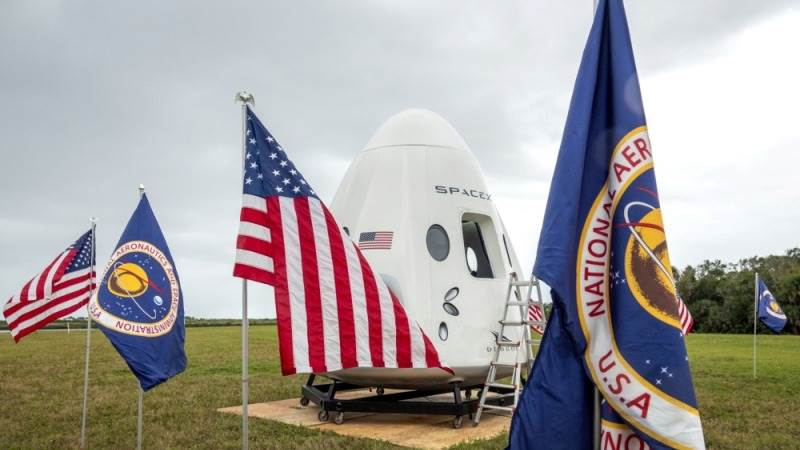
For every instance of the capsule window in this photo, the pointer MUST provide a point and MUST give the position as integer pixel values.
(472, 260)
(346, 230)
(508, 254)
(438, 243)
(475, 252)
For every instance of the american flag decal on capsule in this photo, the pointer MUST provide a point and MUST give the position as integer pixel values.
(375, 240)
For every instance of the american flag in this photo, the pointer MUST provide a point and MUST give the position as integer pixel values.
(375, 240)
(63, 287)
(687, 323)
(333, 311)
(535, 313)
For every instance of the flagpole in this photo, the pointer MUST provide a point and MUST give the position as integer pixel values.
(139, 420)
(140, 403)
(245, 98)
(755, 323)
(596, 422)
(93, 222)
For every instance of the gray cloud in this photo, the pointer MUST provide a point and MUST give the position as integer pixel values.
(99, 97)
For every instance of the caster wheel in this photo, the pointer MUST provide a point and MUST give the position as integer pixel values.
(339, 419)
(379, 391)
(303, 401)
(458, 421)
(322, 416)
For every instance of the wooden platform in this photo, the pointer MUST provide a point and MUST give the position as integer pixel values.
(419, 431)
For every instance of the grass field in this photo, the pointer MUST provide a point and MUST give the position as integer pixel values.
(41, 389)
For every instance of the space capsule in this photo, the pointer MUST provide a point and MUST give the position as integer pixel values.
(416, 202)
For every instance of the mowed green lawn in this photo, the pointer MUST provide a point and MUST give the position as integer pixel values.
(41, 388)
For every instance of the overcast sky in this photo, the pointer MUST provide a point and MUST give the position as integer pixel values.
(97, 97)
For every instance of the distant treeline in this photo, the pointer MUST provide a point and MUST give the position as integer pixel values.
(198, 322)
(721, 296)
(80, 322)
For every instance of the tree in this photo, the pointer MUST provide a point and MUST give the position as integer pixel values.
(720, 295)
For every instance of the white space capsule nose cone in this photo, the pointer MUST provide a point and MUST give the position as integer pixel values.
(417, 174)
(416, 127)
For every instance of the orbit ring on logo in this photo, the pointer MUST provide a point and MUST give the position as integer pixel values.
(125, 279)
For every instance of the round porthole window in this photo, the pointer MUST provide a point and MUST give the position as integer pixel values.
(438, 243)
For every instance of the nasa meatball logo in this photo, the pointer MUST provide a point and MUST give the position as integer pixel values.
(141, 292)
(623, 273)
(636, 261)
(772, 307)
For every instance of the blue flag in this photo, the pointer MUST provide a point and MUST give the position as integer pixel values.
(768, 309)
(139, 302)
(603, 251)
(555, 410)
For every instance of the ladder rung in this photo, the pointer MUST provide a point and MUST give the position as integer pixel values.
(502, 385)
(518, 322)
(508, 343)
(501, 408)
(495, 363)
(520, 283)
(516, 303)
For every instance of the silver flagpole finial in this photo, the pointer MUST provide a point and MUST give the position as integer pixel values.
(245, 97)
(141, 190)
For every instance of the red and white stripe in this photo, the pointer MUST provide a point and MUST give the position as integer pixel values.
(685, 317)
(535, 313)
(333, 311)
(48, 296)
(253, 245)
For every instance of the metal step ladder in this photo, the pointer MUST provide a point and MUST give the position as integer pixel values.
(523, 356)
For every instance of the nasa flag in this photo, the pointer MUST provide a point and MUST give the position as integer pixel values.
(139, 303)
(768, 309)
(603, 251)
